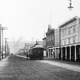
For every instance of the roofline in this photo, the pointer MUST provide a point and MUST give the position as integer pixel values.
(69, 21)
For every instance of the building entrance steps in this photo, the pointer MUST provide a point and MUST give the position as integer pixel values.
(65, 65)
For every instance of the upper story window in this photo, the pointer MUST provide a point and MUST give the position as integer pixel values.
(74, 39)
(69, 32)
(62, 42)
(63, 32)
(66, 31)
(71, 40)
(71, 29)
(74, 29)
(52, 37)
(68, 40)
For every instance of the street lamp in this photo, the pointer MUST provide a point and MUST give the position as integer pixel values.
(70, 5)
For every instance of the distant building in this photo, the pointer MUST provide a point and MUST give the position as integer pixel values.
(70, 40)
(45, 46)
(57, 45)
(50, 40)
(44, 42)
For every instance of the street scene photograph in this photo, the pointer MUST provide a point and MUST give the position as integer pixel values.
(39, 40)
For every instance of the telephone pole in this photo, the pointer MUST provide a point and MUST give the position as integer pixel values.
(3, 28)
(1, 40)
(5, 47)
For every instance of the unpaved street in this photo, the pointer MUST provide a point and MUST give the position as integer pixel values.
(17, 68)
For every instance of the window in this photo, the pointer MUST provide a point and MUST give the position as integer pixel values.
(68, 40)
(66, 31)
(71, 40)
(62, 42)
(74, 39)
(62, 32)
(74, 29)
(69, 31)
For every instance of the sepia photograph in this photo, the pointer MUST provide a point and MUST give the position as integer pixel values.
(39, 39)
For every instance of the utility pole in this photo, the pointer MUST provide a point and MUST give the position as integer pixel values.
(2, 29)
(5, 47)
(25, 48)
(0, 41)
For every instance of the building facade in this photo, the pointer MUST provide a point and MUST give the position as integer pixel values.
(50, 40)
(57, 45)
(70, 40)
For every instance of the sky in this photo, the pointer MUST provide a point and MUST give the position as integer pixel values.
(29, 19)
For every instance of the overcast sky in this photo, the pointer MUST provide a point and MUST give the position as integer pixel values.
(29, 19)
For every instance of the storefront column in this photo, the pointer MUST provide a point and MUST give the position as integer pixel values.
(61, 53)
(55, 52)
(48, 53)
(75, 53)
(65, 53)
(70, 53)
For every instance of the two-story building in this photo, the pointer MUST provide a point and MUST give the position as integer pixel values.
(50, 40)
(70, 40)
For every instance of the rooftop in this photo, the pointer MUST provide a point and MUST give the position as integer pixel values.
(70, 21)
